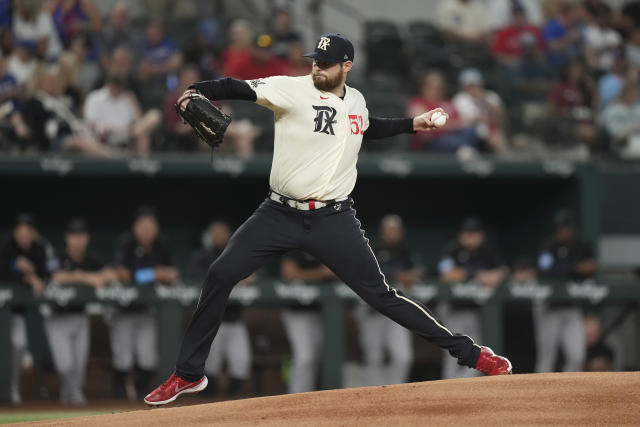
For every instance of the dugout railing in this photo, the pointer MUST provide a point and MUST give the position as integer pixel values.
(170, 301)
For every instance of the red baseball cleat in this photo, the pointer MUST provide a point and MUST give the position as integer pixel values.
(174, 387)
(492, 364)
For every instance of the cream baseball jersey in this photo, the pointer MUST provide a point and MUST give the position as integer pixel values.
(317, 137)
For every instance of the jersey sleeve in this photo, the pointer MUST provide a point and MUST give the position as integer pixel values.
(274, 93)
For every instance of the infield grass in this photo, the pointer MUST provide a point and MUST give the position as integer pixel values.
(20, 417)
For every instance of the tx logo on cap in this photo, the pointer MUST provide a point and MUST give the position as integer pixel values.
(324, 43)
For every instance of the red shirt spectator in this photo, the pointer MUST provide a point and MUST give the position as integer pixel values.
(432, 95)
(261, 63)
(508, 42)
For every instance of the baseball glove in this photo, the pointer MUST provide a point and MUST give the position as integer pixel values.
(205, 118)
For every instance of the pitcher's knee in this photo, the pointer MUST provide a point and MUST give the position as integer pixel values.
(220, 275)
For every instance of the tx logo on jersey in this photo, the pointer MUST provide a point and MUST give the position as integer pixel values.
(324, 43)
(325, 118)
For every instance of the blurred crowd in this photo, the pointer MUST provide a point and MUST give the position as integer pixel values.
(103, 84)
(516, 76)
(528, 76)
(143, 257)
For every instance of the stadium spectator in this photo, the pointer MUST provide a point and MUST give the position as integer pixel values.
(611, 83)
(204, 50)
(25, 258)
(240, 42)
(231, 344)
(260, 63)
(118, 32)
(463, 21)
(499, 12)
(283, 33)
(75, 18)
(113, 112)
(9, 92)
(179, 134)
(564, 256)
(6, 26)
(563, 33)
(32, 23)
(632, 48)
(142, 259)
(379, 334)
(159, 64)
(67, 326)
(296, 63)
(45, 121)
(507, 45)
(630, 15)
(121, 63)
(89, 71)
(303, 323)
(71, 90)
(572, 118)
(469, 258)
(599, 354)
(160, 55)
(480, 108)
(621, 120)
(22, 64)
(601, 42)
(532, 75)
(456, 133)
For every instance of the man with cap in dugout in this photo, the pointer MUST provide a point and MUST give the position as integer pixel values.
(564, 256)
(469, 258)
(378, 333)
(320, 123)
(142, 259)
(67, 326)
(26, 258)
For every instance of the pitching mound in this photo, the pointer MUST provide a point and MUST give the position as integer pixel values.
(561, 399)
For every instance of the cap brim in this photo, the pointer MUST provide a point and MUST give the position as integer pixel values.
(324, 58)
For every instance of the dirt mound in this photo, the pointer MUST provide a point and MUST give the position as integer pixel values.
(561, 399)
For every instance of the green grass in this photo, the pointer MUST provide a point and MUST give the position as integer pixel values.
(19, 417)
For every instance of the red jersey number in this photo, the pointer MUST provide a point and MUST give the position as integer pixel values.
(356, 124)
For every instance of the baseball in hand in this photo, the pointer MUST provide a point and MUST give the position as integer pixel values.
(438, 119)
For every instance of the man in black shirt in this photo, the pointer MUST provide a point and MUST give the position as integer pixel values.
(67, 327)
(378, 333)
(26, 258)
(142, 259)
(470, 258)
(563, 257)
(231, 344)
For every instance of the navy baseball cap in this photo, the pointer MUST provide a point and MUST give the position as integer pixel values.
(332, 48)
(472, 224)
(77, 225)
(24, 218)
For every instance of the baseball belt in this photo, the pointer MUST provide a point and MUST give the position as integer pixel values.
(303, 205)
